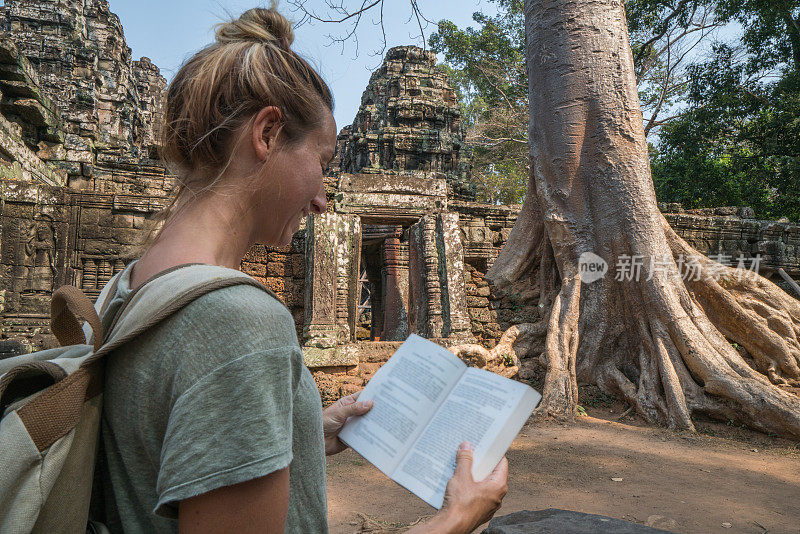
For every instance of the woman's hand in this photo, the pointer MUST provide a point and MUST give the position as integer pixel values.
(468, 504)
(334, 417)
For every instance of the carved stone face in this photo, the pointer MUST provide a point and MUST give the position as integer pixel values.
(42, 232)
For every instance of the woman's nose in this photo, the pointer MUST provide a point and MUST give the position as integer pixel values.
(319, 204)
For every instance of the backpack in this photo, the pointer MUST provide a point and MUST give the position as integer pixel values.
(51, 400)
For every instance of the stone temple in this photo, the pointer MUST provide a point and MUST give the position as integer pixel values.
(403, 248)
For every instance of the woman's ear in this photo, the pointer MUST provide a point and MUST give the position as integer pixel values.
(266, 127)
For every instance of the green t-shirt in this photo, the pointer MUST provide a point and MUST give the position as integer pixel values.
(215, 395)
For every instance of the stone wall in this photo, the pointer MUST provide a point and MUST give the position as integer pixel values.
(726, 233)
(485, 229)
(283, 271)
(30, 124)
(51, 236)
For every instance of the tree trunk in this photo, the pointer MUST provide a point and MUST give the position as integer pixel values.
(662, 342)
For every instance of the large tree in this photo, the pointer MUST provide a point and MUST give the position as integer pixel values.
(662, 342)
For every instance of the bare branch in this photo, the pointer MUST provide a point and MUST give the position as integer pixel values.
(495, 86)
(300, 5)
(662, 96)
(338, 13)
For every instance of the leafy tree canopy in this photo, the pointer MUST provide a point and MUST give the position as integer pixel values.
(738, 143)
(771, 31)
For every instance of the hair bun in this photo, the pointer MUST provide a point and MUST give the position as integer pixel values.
(257, 25)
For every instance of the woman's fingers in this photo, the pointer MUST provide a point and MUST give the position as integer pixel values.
(500, 472)
(359, 408)
(464, 461)
(350, 407)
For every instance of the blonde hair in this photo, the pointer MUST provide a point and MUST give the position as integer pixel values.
(249, 66)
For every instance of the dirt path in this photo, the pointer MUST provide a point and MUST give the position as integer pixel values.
(731, 481)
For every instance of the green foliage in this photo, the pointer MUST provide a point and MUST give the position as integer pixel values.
(771, 31)
(738, 143)
(508, 360)
(488, 63)
(487, 68)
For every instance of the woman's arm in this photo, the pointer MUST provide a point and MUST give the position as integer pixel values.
(257, 505)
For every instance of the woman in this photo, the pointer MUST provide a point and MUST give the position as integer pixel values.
(211, 421)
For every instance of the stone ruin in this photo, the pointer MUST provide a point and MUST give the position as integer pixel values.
(403, 248)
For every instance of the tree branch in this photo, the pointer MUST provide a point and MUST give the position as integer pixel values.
(354, 18)
(663, 32)
(300, 5)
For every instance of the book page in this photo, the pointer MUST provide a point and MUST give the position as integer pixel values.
(477, 410)
(406, 390)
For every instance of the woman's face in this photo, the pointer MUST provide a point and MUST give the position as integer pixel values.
(292, 187)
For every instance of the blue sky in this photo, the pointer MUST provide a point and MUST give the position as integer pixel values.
(169, 31)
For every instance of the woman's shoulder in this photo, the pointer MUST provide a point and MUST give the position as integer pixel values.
(242, 317)
(243, 302)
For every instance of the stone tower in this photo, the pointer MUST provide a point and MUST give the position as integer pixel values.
(108, 102)
(409, 122)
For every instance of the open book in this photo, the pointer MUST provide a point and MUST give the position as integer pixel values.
(427, 402)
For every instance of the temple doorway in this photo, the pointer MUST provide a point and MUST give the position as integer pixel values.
(383, 284)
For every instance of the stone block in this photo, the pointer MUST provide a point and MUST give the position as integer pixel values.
(276, 268)
(51, 151)
(478, 233)
(80, 156)
(298, 266)
(477, 302)
(140, 221)
(254, 269)
(345, 355)
(567, 521)
(276, 284)
(127, 236)
(390, 198)
(480, 315)
(124, 220)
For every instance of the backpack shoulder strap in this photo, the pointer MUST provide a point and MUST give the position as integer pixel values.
(66, 305)
(166, 294)
(102, 302)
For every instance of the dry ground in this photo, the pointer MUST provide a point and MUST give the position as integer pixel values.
(723, 479)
